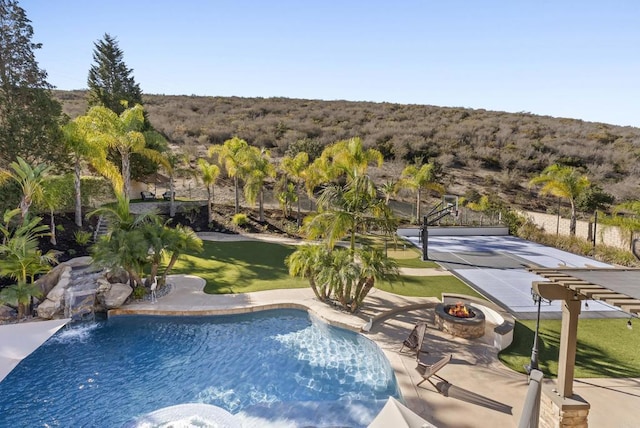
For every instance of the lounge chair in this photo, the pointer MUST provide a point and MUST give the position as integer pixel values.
(427, 371)
(147, 196)
(416, 338)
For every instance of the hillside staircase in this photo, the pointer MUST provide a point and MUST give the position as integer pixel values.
(102, 228)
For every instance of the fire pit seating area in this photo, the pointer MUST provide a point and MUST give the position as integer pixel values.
(460, 319)
(472, 315)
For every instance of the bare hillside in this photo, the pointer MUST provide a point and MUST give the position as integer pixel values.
(477, 150)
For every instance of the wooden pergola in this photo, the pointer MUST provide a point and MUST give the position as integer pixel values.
(617, 287)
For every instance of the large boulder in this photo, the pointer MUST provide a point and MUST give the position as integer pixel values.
(115, 296)
(53, 304)
(48, 281)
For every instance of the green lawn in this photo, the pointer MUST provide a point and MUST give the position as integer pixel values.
(240, 267)
(426, 286)
(606, 348)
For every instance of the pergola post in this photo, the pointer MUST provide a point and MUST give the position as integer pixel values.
(568, 343)
(560, 406)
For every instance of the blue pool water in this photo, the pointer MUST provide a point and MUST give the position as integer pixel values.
(273, 365)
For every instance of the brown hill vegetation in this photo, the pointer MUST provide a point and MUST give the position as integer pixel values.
(479, 151)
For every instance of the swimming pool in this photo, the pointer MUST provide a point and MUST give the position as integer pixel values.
(273, 365)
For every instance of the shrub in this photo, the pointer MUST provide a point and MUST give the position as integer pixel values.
(82, 237)
(240, 219)
(139, 292)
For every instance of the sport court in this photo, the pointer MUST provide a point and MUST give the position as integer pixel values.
(495, 266)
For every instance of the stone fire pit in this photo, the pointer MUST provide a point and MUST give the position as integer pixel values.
(469, 326)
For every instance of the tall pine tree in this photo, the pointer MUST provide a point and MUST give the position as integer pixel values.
(110, 81)
(29, 116)
(112, 85)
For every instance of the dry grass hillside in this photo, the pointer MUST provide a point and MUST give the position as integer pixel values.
(479, 151)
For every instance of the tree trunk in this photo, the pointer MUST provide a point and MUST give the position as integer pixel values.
(172, 261)
(133, 276)
(172, 201)
(418, 219)
(261, 203)
(368, 285)
(78, 185)
(572, 224)
(235, 183)
(299, 220)
(152, 273)
(209, 204)
(52, 226)
(126, 173)
(312, 283)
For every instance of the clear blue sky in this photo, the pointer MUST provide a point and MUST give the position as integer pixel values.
(562, 58)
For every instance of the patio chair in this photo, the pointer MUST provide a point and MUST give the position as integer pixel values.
(427, 371)
(416, 338)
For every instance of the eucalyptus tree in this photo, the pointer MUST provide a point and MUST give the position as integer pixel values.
(232, 155)
(124, 134)
(418, 179)
(565, 182)
(29, 113)
(295, 169)
(258, 169)
(208, 174)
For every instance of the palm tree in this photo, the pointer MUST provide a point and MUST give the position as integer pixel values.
(258, 169)
(306, 262)
(418, 179)
(295, 170)
(350, 158)
(21, 295)
(208, 174)
(124, 134)
(30, 180)
(83, 149)
(232, 155)
(180, 240)
(564, 182)
(125, 245)
(21, 259)
(374, 265)
(346, 210)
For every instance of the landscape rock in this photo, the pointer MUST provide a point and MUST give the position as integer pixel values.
(79, 262)
(48, 281)
(7, 313)
(56, 294)
(116, 295)
(117, 276)
(48, 309)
